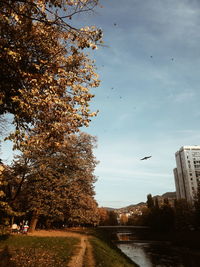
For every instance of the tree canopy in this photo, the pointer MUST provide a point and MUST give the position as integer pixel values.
(46, 82)
(45, 76)
(58, 186)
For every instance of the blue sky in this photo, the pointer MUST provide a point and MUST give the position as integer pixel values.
(148, 97)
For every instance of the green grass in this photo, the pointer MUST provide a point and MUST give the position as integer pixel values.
(106, 254)
(32, 251)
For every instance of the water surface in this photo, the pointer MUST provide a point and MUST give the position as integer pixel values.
(151, 253)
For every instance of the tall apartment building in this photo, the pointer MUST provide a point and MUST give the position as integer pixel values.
(187, 172)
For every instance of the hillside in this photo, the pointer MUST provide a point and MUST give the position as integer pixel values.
(170, 195)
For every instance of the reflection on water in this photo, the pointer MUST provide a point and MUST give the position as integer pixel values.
(136, 253)
(150, 254)
(125, 236)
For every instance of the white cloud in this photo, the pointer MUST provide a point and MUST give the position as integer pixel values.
(183, 97)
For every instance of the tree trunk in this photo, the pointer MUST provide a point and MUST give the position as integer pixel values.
(33, 222)
(12, 220)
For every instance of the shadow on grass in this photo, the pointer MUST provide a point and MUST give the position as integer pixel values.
(4, 237)
(5, 258)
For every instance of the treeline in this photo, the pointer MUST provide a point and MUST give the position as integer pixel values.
(159, 215)
(45, 91)
(166, 216)
(107, 217)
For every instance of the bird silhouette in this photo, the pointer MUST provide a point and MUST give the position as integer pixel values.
(146, 158)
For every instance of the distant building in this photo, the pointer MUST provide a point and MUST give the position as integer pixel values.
(187, 172)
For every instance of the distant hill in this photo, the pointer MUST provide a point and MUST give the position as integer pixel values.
(170, 195)
(108, 209)
(131, 207)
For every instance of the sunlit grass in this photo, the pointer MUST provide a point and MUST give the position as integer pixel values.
(105, 253)
(105, 256)
(21, 251)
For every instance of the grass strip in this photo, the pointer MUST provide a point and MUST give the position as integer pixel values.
(106, 254)
(32, 251)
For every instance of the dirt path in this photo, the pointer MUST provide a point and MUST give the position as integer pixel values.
(89, 255)
(78, 258)
(83, 251)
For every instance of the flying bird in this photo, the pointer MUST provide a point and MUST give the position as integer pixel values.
(146, 158)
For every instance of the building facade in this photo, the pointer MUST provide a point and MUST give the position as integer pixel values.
(187, 172)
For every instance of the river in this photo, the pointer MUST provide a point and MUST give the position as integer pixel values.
(151, 253)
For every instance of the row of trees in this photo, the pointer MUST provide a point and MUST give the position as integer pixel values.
(46, 78)
(165, 216)
(107, 217)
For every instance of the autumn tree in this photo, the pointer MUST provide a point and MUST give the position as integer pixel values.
(46, 80)
(159, 217)
(112, 218)
(103, 216)
(197, 207)
(57, 185)
(6, 209)
(123, 219)
(167, 217)
(150, 201)
(184, 216)
(156, 203)
(45, 76)
(81, 209)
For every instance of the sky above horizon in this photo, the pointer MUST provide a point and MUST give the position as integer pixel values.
(148, 99)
